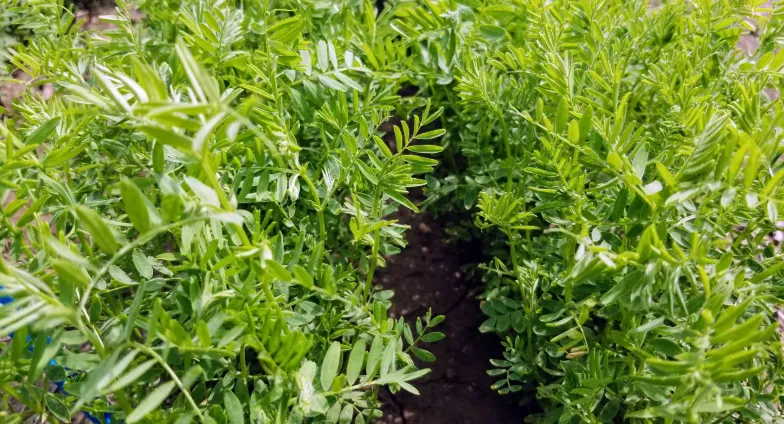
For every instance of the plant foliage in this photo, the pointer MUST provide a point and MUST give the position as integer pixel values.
(624, 163)
(193, 221)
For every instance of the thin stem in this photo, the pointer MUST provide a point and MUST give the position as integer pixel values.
(374, 254)
(270, 297)
(507, 149)
(319, 212)
(243, 365)
(173, 376)
(225, 204)
(513, 253)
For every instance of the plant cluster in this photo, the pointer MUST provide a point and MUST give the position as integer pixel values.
(201, 208)
(192, 222)
(624, 162)
(21, 22)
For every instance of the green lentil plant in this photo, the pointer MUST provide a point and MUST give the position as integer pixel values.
(192, 222)
(21, 20)
(622, 161)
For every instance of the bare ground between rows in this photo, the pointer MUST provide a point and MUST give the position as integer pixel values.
(428, 274)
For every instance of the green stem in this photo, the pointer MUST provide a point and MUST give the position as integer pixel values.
(513, 253)
(507, 149)
(5, 388)
(319, 213)
(355, 387)
(173, 376)
(122, 399)
(225, 204)
(270, 297)
(243, 365)
(568, 254)
(91, 334)
(374, 254)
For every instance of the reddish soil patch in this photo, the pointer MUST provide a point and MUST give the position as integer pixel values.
(428, 273)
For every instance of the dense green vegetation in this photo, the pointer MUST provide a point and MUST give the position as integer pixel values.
(625, 166)
(199, 213)
(201, 207)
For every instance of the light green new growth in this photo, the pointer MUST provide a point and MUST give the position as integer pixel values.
(194, 220)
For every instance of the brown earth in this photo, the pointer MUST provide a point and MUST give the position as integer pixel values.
(429, 273)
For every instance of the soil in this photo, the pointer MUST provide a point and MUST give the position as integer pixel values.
(429, 273)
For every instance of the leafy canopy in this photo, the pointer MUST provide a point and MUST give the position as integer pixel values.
(194, 219)
(183, 202)
(623, 161)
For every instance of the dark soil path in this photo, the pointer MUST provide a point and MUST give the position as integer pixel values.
(428, 274)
